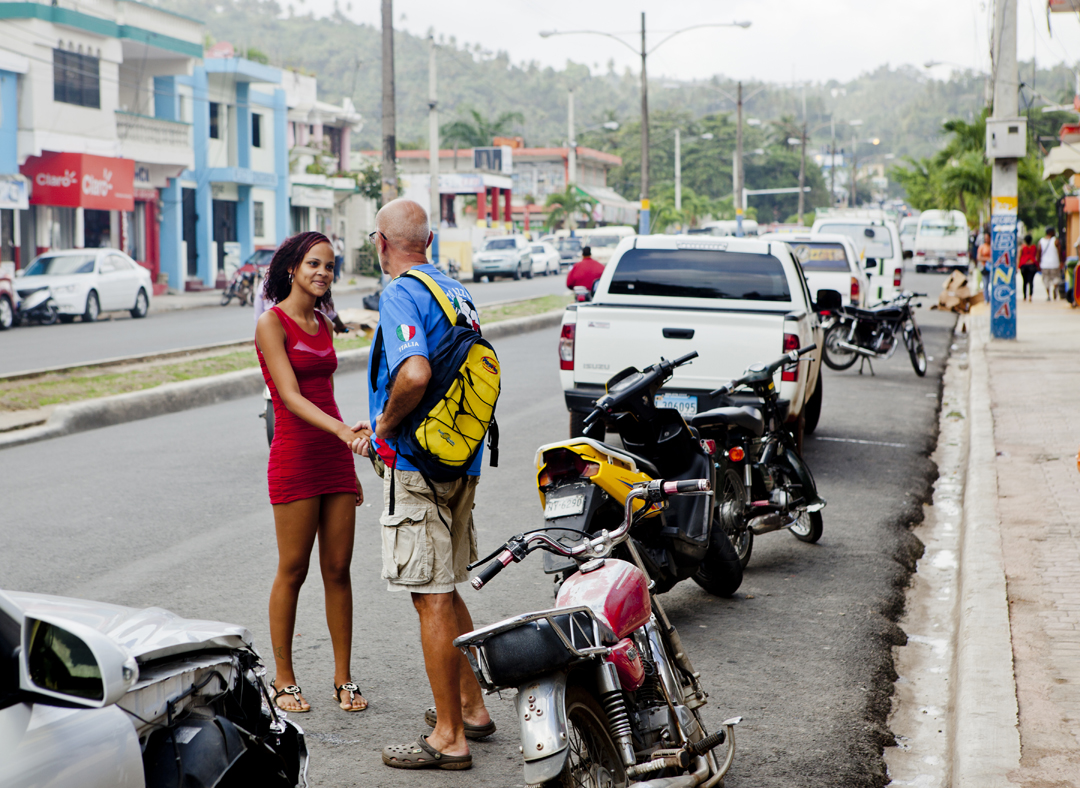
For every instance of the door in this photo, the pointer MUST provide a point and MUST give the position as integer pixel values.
(127, 280)
(110, 284)
(224, 228)
(190, 218)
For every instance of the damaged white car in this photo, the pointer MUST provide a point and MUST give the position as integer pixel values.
(93, 694)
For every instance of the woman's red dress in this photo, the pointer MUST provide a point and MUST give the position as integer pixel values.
(304, 460)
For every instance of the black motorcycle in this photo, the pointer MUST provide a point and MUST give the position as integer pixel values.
(242, 288)
(771, 485)
(868, 334)
(583, 484)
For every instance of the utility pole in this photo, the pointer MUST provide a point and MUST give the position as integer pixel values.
(643, 222)
(832, 163)
(678, 171)
(1006, 143)
(389, 118)
(435, 216)
(802, 160)
(571, 141)
(739, 184)
(854, 168)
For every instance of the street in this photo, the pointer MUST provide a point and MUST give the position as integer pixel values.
(173, 511)
(40, 347)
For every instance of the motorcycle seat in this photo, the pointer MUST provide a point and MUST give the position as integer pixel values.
(877, 313)
(746, 418)
(643, 464)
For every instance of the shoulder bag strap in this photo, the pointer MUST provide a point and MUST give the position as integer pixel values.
(437, 292)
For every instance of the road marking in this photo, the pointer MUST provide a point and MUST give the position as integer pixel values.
(865, 443)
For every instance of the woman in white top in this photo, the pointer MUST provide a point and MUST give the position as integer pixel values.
(1049, 263)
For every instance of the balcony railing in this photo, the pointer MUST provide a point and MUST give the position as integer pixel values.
(144, 130)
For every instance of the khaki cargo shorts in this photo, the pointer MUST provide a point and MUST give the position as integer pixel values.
(419, 553)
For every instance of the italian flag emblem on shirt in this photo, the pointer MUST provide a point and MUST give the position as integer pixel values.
(405, 333)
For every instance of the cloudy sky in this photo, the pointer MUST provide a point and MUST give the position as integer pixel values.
(788, 40)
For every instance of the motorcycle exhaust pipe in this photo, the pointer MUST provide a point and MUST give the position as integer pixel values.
(767, 523)
(856, 349)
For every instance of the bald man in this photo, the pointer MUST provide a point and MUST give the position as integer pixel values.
(420, 554)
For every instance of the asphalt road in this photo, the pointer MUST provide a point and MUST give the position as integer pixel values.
(172, 511)
(37, 347)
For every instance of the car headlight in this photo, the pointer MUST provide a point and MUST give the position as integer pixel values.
(64, 289)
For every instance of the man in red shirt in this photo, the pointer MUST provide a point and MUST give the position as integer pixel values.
(586, 272)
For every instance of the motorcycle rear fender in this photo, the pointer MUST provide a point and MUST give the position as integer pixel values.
(543, 735)
(801, 472)
(618, 473)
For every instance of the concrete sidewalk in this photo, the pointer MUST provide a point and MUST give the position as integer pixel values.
(176, 299)
(1034, 389)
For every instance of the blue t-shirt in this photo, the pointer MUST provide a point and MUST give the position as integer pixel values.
(412, 322)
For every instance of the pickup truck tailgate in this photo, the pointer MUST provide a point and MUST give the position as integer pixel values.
(609, 339)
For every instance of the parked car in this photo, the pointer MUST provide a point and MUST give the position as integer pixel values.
(737, 301)
(87, 282)
(603, 240)
(97, 695)
(504, 255)
(829, 262)
(9, 302)
(941, 242)
(569, 251)
(545, 259)
(880, 252)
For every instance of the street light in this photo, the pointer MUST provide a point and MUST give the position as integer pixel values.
(644, 52)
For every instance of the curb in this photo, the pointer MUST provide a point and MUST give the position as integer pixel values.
(985, 741)
(214, 298)
(189, 394)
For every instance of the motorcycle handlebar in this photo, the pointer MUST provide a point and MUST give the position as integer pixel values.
(685, 359)
(488, 572)
(685, 487)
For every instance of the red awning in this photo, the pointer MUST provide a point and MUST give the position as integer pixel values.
(79, 180)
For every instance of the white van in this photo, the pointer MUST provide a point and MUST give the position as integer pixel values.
(603, 240)
(829, 262)
(941, 242)
(909, 225)
(880, 253)
(727, 227)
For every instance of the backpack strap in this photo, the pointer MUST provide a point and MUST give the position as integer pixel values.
(437, 292)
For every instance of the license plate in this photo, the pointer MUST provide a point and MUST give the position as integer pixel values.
(564, 507)
(686, 404)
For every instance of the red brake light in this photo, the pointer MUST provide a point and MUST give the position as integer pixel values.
(896, 277)
(736, 454)
(961, 254)
(923, 254)
(854, 289)
(561, 463)
(566, 346)
(791, 371)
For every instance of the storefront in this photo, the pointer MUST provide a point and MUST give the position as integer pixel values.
(78, 200)
(13, 201)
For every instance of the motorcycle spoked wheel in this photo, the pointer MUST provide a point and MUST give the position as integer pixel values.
(593, 760)
(836, 357)
(913, 340)
(731, 516)
(720, 572)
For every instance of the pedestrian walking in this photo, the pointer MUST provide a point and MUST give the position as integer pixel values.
(1029, 266)
(428, 536)
(313, 484)
(1050, 263)
(985, 255)
(339, 257)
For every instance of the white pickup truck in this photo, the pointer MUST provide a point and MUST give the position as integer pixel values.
(737, 301)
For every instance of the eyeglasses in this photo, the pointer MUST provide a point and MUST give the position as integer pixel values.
(372, 234)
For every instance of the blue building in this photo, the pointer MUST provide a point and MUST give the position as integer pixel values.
(13, 187)
(236, 198)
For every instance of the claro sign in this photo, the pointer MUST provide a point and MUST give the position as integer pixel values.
(79, 180)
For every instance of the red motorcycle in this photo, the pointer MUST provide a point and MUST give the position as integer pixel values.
(606, 695)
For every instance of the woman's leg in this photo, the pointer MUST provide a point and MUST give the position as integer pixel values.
(296, 523)
(337, 522)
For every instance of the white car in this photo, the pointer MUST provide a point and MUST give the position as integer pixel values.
(545, 259)
(829, 262)
(87, 282)
(880, 252)
(103, 696)
(503, 255)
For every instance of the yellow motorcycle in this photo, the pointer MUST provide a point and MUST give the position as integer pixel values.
(584, 483)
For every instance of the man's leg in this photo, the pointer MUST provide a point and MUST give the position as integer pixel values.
(443, 662)
(473, 709)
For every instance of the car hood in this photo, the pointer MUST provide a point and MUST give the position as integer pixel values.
(498, 254)
(50, 280)
(147, 633)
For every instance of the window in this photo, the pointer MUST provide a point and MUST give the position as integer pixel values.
(257, 218)
(693, 273)
(215, 120)
(822, 256)
(75, 79)
(256, 134)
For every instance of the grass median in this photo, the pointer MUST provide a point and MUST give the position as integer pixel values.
(77, 385)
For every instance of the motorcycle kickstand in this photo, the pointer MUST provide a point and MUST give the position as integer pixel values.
(866, 360)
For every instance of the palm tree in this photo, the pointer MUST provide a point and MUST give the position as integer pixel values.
(566, 205)
(480, 131)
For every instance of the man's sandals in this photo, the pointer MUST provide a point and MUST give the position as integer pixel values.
(471, 731)
(353, 690)
(421, 755)
(293, 690)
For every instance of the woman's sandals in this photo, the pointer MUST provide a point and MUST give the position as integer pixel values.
(353, 690)
(421, 755)
(295, 691)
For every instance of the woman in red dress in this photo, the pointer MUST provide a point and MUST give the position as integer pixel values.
(313, 485)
